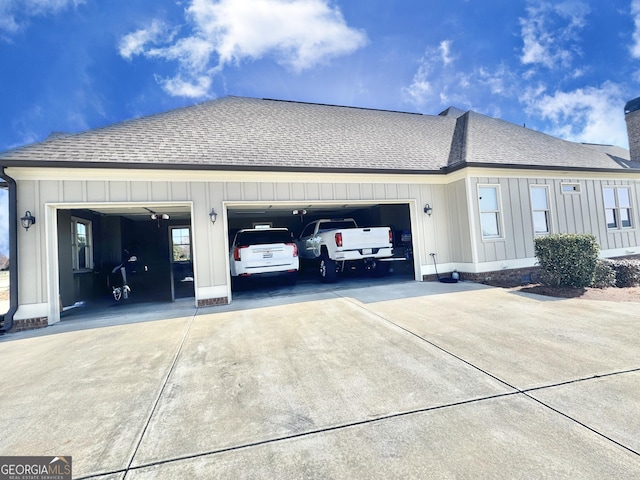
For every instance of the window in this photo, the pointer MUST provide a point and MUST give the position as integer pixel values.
(570, 188)
(181, 244)
(489, 211)
(540, 209)
(617, 207)
(81, 244)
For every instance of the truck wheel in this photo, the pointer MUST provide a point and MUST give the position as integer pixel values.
(328, 272)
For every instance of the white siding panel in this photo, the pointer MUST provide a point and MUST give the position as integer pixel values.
(178, 191)
(298, 191)
(233, 190)
(139, 191)
(267, 191)
(326, 191)
(366, 190)
(73, 191)
(458, 228)
(391, 191)
(96, 191)
(379, 191)
(159, 191)
(340, 191)
(313, 191)
(282, 191)
(353, 191)
(118, 191)
(251, 191)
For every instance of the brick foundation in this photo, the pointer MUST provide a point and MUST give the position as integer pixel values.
(504, 278)
(29, 324)
(212, 302)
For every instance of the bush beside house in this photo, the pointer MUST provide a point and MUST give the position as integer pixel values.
(571, 260)
(567, 260)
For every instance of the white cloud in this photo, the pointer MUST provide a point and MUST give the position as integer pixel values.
(298, 34)
(427, 83)
(438, 83)
(445, 51)
(635, 12)
(550, 32)
(591, 114)
(14, 14)
(134, 43)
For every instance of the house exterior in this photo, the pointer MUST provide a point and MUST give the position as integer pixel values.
(474, 190)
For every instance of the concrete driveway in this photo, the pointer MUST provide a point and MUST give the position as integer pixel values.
(412, 380)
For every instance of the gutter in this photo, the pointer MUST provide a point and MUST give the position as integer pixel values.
(7, 318)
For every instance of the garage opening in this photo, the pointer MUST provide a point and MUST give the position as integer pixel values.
(296, 217)
(119, 255)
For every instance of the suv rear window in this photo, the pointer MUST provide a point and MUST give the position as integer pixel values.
(261, 237)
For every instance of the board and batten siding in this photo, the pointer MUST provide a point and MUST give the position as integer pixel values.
(580, 212)
(210, 242)
(458, 231)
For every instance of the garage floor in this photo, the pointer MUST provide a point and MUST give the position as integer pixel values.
(410, 380)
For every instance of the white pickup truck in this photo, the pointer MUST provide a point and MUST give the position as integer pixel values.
(336, 243)
(264, 252)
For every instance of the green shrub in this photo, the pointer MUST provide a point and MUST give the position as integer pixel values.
(604, 275)
(627, 272)
(567, 260)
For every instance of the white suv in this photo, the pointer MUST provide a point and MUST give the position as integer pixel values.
(260, 252)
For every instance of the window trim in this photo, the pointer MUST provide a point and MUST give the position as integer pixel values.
(74, 246)
(618, 227)
(547, 211)
(498, 212)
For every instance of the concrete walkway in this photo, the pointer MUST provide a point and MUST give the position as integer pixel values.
(413, 380)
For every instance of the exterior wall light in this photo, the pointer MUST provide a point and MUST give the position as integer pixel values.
(213, 216)
(428, 209)
(27, 220)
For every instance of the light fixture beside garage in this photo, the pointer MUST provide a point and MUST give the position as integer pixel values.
(213, 216)
(27, 220)
(428, 209)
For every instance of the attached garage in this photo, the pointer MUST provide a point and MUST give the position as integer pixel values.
(296, 215)
(152, 242)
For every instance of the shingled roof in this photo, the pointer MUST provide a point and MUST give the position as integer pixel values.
(253, 134)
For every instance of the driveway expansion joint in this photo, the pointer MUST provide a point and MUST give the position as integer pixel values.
(517, 390)
(160, 393)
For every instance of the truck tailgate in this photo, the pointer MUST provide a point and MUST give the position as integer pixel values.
(359, 238)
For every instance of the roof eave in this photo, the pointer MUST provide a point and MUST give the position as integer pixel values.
(554, 168)
(209, 167)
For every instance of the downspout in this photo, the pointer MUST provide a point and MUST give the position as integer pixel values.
(7, 318)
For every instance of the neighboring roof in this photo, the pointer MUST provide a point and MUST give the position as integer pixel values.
(253, 134)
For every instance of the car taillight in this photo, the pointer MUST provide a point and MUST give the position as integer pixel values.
(236, 254)
(390, 237)
(339, 239)
(295, 249)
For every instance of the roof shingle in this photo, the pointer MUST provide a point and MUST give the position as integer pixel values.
(247, 133)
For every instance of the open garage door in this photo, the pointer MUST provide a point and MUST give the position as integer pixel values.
(101, 249)
(295, 217)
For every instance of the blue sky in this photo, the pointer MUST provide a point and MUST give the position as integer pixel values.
(562, 67)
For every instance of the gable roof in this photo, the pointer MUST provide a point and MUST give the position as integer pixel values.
(259, 134)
